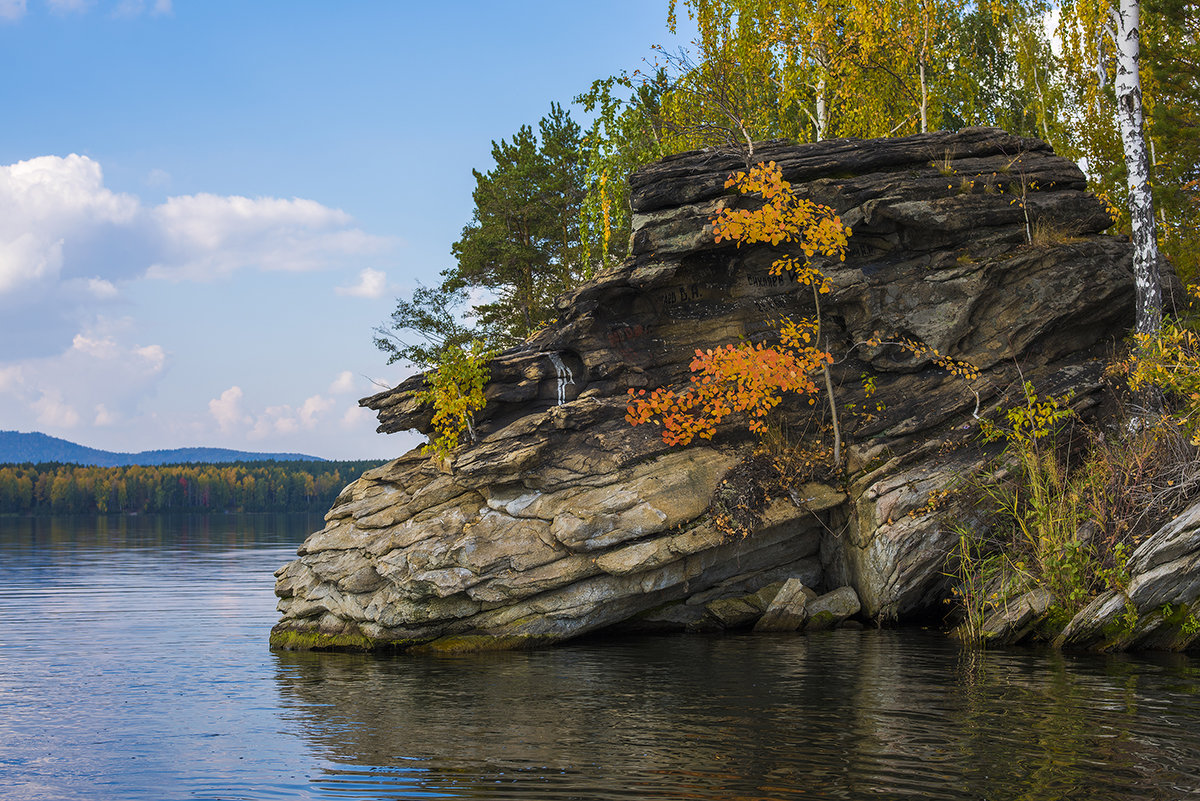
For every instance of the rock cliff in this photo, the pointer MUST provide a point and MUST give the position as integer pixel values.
(562, 519)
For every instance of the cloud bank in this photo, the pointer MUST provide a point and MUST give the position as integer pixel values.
(100, 380)
(58, 220)
(68, 243)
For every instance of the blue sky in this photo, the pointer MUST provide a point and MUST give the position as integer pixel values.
(206, 206)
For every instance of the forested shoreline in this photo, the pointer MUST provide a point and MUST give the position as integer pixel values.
(292, 486)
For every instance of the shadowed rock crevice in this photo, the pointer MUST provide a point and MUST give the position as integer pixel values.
(562, 519)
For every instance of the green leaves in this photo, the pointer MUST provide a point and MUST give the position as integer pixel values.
(424, 326)
(455, 390)
(523, 242)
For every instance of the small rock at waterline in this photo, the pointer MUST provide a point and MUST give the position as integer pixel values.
(787, 611)
(832, 608)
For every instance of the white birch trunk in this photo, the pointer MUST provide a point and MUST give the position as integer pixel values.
(822, 113)
(1133, 137)
(822, 61)
(925, 12)
(924, 102)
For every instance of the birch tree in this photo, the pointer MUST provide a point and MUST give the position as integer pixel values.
(1105, 35)
(1131, 124)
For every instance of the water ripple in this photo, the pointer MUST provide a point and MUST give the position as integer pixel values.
(133, 665)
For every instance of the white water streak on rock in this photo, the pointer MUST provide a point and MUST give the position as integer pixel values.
(565, 376)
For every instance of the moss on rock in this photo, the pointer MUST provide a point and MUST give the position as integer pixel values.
(292, 640)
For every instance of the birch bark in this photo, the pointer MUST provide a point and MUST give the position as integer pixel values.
(1131, 125)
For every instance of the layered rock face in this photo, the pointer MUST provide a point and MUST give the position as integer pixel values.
(562, 519)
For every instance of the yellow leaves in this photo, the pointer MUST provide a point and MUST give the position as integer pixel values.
(1028, 423)
(456, 393)
(956, 367)
(783, 217)
(1170, 361)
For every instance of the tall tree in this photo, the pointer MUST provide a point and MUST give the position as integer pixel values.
(626, 133)
(1171, 89)
(1103, 38)
(724, 89)
(793, 54)
(522, 245)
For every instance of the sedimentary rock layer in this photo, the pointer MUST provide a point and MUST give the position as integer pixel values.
(562, 519)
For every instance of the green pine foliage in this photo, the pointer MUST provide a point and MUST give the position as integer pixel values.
(522, 246)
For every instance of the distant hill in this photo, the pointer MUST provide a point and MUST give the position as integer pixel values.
(18, 448)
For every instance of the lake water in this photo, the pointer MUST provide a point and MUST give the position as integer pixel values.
(134, 665)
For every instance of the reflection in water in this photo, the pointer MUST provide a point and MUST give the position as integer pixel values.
(134, 665)
(838, 715)
(66, 533)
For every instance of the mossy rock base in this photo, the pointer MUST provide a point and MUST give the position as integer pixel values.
(287, 639)
(292, 640)
(474, 643)
(821, 621)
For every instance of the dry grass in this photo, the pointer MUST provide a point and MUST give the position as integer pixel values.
(1048, 234)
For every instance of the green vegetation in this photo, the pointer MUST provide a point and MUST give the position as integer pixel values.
(456, 393)
(240, 486)
(1067, 504)
(553, 209)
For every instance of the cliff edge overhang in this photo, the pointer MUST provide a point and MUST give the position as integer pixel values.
(562, 519)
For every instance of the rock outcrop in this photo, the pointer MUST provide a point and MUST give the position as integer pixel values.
(562, 519)
(1159, 608)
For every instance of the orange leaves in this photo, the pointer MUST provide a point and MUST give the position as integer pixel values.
(783, 217)
(744, 378)
(750, 379)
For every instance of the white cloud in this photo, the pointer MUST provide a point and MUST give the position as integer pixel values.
(49, 188)
(357, 416)
(103, 416)
(154, 356)
(311, 408)
(10, 378)
(274, 420)
(105, 348)
(101, 289)
(99, 371)
(56, 217)
(24, 260)
(209, 235)
(343, 383)
(12, 9)
(371, 284)
(227, 409)
(53, 412)
(47, 202)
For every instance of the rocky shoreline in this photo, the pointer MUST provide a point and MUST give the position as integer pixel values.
(563, 520)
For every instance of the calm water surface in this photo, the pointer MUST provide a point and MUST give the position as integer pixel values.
(134, 665)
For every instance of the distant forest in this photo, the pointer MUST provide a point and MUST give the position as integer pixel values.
(292, 486)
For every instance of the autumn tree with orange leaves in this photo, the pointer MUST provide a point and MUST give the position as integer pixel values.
(751, 378)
